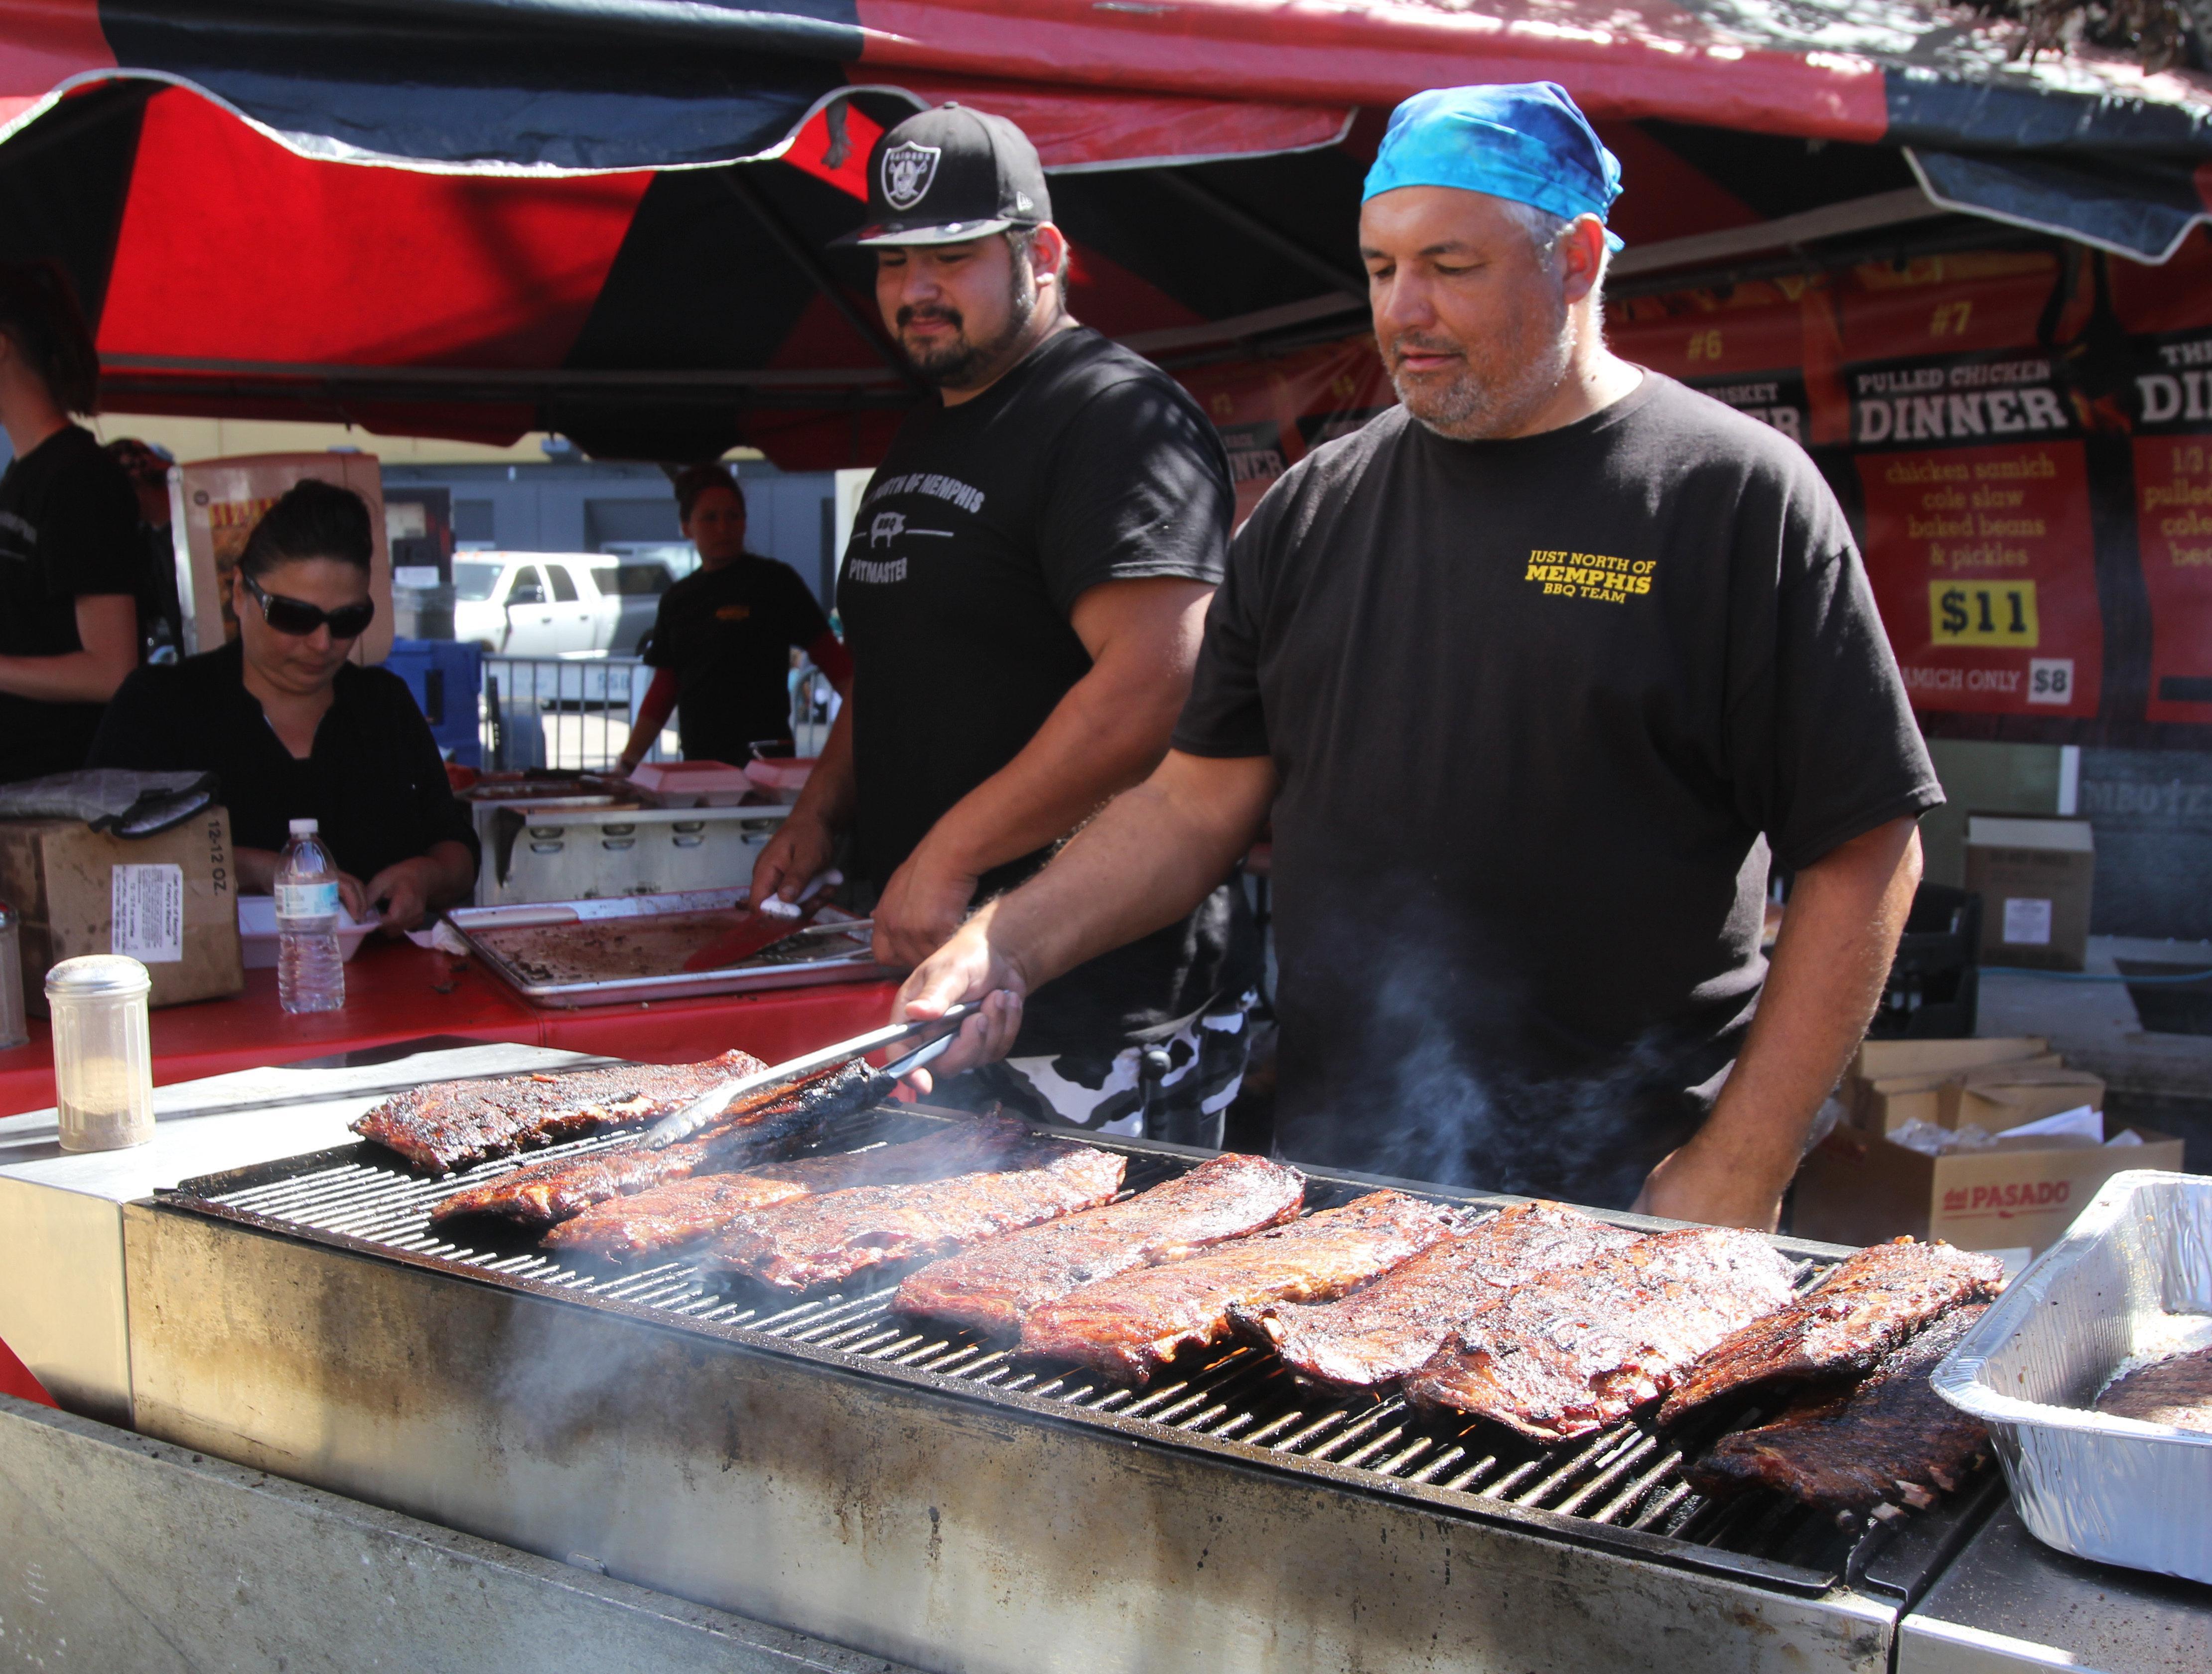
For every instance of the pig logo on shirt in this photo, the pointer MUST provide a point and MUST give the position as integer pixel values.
(888, 526)
(907, 172)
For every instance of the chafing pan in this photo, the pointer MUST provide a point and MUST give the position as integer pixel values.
(2132, 1277)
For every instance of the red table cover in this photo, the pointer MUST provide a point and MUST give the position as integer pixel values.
(396, 991)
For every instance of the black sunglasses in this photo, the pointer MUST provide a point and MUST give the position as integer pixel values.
(299, 618)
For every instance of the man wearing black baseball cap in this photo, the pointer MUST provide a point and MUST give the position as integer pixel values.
(1024, 594)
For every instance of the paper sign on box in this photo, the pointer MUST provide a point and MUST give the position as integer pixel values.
(2033, 875)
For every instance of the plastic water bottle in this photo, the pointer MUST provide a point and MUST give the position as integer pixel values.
(310, 964)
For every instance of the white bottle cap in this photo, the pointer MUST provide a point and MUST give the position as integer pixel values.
(306, 828)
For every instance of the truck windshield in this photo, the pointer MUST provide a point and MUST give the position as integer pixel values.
(475, 581)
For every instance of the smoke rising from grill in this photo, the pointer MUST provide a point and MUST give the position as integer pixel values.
(1421, 1092)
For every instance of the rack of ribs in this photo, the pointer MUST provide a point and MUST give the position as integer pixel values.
(1130, 1326)
(2176, 1390)
(683, 1212)
(1390, 1329)
(1863, 1309)
(991, 1287)
(814, 1242)
(547, 1193)
(1573, 1351)
(448, 1125)
(1891, 1438)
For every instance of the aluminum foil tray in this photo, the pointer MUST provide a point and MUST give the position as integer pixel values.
(2132, 1276)
(545, 950)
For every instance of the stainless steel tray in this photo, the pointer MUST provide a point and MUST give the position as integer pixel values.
(2133, 1274)
(831, 955)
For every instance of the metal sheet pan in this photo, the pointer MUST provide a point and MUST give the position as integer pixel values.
(832, 955)
(2129, 1276)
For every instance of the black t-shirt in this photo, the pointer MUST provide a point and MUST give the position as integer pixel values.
(374, 779)
(984, 524)
(69, 529)
(1540, 708)
(728, 633)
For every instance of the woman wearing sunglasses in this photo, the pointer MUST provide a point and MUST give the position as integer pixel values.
(296, 731)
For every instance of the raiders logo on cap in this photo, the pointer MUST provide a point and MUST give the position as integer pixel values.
(950, 175)
(908, 171)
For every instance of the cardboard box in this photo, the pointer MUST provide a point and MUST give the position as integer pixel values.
(2005, 1095)
(1858, 1187)
(169, 901)
(1891, 1082)
(1878, 1060)
(2033, 875)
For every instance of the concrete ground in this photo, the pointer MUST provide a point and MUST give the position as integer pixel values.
(2160, 1080)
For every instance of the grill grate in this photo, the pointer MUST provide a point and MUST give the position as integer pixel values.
(1623, 1487)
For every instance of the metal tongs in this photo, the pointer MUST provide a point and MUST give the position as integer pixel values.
(712, 1103)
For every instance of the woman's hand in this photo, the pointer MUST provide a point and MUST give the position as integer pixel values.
(400, 894)
(353, 896)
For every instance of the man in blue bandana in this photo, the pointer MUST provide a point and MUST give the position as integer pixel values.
(1535, 673)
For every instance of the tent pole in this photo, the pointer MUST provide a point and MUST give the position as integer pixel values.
(1352, 284)
(818, 274)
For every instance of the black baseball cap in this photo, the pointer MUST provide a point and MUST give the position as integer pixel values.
(950, 175)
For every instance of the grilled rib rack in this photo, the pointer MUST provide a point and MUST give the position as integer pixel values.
(1621, 1490)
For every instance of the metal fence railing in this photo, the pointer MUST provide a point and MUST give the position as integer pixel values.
(575, 713)
(560, 712)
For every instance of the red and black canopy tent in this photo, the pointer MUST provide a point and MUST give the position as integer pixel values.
(609, 218)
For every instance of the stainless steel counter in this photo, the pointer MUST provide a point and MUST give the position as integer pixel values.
(63, 1309)
(2008, 1604)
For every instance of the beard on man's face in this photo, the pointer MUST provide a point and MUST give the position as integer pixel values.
(957, 361)
(1495, 386)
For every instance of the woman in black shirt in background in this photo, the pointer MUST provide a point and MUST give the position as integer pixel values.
(294, 730)
(69, 549)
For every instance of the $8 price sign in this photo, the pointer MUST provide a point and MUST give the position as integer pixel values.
(2000, 613)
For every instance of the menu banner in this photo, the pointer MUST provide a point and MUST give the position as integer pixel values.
(1981, 546)
(1957, 400)
(2172, 417)
(1271, 415)
(1776, 399)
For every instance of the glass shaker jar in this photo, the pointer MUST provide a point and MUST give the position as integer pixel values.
(103, 1059)
(13, 1030)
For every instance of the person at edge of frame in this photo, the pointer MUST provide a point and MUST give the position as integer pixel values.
(71, 556)
(722, 642)
(1537, 672)
(1023, 594)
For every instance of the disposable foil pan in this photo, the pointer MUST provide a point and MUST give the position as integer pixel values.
(2132, 1276)
(828, 952)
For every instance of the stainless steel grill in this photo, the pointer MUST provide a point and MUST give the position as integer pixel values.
(1622, 1490)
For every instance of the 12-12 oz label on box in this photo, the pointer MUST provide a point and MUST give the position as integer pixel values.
(147, 913)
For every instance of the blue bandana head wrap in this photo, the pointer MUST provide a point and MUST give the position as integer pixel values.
(1525, 140)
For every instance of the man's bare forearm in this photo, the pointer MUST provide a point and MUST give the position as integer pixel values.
(830, 795)
(1839, 937)
(1101, 738)
(1150, 858)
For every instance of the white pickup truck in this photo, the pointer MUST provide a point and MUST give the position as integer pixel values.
(556, 604)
